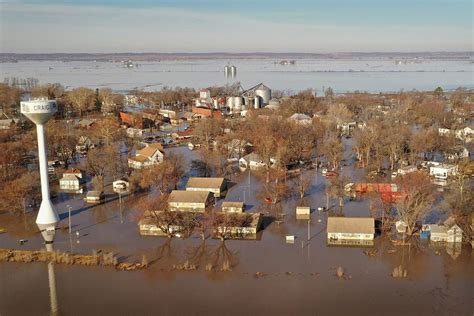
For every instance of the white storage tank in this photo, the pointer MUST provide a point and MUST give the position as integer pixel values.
(256, 102)
(264, 92)
(238, 103)
(227, 71)
(233, 71)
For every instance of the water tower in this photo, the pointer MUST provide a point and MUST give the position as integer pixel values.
(39, 112)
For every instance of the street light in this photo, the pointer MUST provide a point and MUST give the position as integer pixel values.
(69, 217)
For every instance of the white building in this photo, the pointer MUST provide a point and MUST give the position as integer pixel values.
(120, 185)
(151, 155)
(350, 228)
(214, 185)
(442, 233)
(254, 161)
(189, 201)
(233, 207)
(72, 181)
(443, 171)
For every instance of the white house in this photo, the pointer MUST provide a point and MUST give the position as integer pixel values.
(454, 234)
(350, 228)
(72, 181)
(151, 155)
(254, 161)
(443, 171)
(442, 233)
(459, 152)
(438, 233)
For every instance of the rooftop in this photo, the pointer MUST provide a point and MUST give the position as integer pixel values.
(201, 182)
(232, 204)
(188, 196)
(150, 150)
(363, 225)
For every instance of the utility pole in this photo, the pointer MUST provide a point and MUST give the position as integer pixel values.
(69, 218)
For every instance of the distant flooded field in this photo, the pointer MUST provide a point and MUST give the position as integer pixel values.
(372, 75)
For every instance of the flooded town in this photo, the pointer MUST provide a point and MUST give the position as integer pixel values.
(235, 183)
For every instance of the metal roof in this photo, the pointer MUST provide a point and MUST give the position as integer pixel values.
(177, 196)
(202, 182)
(352, 225)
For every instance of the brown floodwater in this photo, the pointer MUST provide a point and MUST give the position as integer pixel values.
(268, 277)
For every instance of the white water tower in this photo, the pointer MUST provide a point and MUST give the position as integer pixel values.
(39, 112)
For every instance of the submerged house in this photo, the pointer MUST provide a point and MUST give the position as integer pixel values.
(254, 161)
(214, 185)
(443, 171)
(151, 155)
(72, 181)
(233, 207)
(190, 201)
(238, 225)
(152, 223)
(443, 233)
(350, 229)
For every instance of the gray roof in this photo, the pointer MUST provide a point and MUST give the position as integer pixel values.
(177, 196)
(207, 183)
(352, 225)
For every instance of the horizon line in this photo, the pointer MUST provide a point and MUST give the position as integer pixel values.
(247, 53)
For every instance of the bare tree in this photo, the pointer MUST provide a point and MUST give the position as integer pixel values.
(416, 200)
(81, 99)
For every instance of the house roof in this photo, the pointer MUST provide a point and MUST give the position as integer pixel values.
(438, 229)
(73, 171)
(252, 157)
(188, 196)
(201, 182)
(150, 150)
(139, 158)
(362, 225)
(69, 176)
(232, 204)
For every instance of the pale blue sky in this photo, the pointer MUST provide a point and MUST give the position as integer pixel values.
(235, 25)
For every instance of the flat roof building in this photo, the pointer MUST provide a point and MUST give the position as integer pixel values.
(214, 185)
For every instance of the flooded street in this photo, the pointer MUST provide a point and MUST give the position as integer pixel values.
(269, 276)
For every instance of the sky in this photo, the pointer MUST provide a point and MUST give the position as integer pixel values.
(309, 26)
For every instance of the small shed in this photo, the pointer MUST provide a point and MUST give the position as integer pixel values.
(120, 185)
(94, 196)
(401, 226)
(233, 207)
(303, 210)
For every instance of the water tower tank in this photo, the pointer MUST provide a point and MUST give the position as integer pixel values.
(264, 92)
